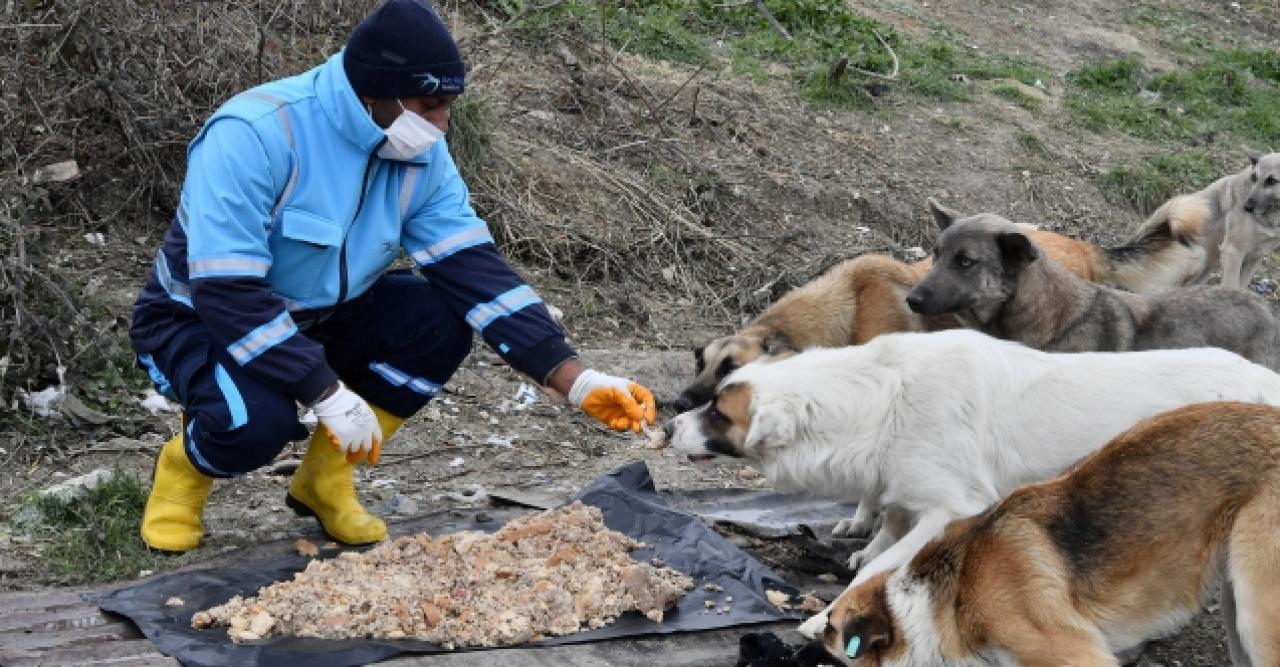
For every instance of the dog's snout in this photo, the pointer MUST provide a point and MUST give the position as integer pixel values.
(1250, 204)
(669, 429)
(915, 302)
(683, 404)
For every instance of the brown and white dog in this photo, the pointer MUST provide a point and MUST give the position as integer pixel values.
(1125, 547)
(865, 297)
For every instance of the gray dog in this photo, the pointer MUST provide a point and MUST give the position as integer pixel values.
(989, 275)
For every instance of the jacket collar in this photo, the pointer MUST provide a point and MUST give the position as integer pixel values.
(345, 112)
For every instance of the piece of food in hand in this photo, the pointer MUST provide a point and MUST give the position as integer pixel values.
(551, 573)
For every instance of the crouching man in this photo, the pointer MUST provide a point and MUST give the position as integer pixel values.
(271, 289)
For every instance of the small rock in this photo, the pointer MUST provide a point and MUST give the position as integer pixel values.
(145, 573)
(78, 487)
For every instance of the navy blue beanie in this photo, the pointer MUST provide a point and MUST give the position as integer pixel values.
(403, 49)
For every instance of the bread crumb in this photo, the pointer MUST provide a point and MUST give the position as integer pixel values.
(778, 599)
(306, 548)
(174, 601)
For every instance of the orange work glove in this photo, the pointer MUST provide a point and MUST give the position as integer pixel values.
(618, 403)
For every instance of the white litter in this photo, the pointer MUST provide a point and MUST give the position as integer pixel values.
(154, 403)
(44, 402)
(508, 441)
(95, 238)
(456, 462)
(916, 252)
(380, 483)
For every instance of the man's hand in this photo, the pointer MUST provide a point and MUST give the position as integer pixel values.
(620, 404)
(353, 428)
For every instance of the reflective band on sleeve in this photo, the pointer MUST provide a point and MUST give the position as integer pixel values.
(262, 339)
(177, 290)
(227, 266)
(506, 304)
(443, 248)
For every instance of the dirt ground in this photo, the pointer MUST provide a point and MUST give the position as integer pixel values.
(794, 187)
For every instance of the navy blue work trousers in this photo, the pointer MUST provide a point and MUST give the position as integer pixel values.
(395, 345)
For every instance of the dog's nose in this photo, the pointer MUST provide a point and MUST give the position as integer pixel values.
(683, 403)
(915, 302)
(669, 429)
(1249, 205)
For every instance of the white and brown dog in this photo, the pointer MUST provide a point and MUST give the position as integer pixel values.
(938, 426)
(1124, 548)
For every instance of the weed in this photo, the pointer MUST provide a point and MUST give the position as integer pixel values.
(1016, 95)
(1032, 144)
(95, 538)
(471, 125)
(1151, 183)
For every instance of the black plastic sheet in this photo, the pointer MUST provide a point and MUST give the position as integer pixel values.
(626, 498)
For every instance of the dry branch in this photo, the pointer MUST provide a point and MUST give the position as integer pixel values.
(841, 65)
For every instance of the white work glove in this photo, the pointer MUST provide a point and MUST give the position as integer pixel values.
(619, 403)
(352, 426)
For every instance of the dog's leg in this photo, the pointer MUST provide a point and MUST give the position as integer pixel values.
(864, 518)
(1239, 657)
(929, 524)
(1237, 239)
(896, 524)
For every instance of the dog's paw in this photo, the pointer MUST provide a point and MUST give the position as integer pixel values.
(853, 527)
(857, 559)
(813, 628)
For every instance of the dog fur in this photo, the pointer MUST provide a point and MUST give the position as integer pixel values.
(933, 427)
(1236, 220)
(1124, 548)
(862, 298)
(992, 277)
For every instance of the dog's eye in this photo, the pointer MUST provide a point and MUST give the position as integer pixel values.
(715, 416)
(964, 262)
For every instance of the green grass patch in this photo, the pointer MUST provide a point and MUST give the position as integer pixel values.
(95, 538)
(1235, 92)
(1016, 95)
(1147, 185)
(690, 31)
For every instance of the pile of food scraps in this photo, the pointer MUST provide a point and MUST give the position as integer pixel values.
(552, 573)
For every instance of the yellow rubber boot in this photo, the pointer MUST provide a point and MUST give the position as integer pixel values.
(171, 521)
(322, 487)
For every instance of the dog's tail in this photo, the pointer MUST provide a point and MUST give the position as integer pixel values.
(1165, 251)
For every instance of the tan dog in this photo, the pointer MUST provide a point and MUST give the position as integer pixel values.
(865, 297)
(1125, 547)
(1236, 220)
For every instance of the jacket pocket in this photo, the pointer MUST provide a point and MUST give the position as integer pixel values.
(305, 258)
(299, 225)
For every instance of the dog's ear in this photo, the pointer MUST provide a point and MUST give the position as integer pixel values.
(698, 357)
(942, 215)
(1016, 250)
(771, 426)
(1254, 156)
(775, 344)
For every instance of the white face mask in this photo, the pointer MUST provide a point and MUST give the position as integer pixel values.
(409, 136)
